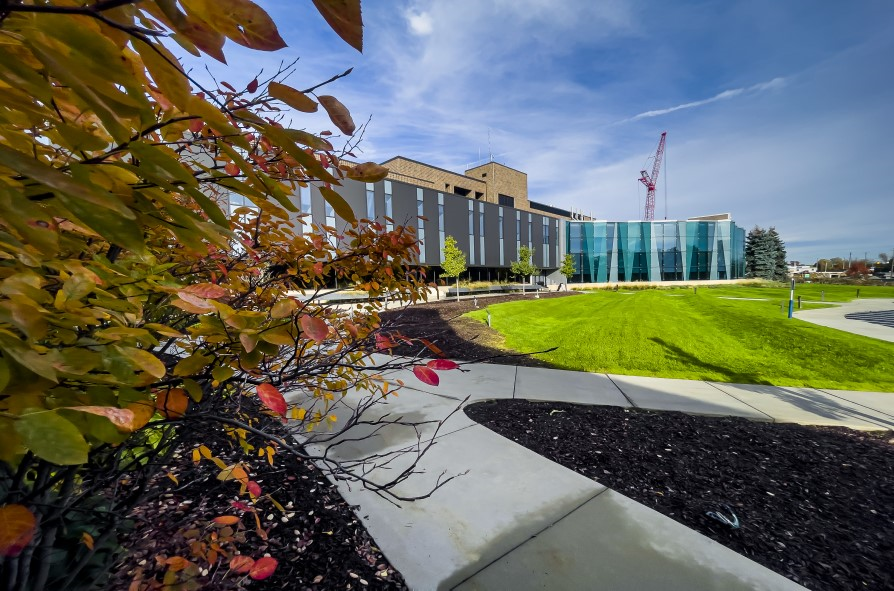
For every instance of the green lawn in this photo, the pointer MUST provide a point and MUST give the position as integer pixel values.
(680, 334)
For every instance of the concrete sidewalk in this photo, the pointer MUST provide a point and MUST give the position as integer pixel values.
(515, 520)
(834, 317)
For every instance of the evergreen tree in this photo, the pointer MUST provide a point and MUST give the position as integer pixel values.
(765, 256)
(777, 246)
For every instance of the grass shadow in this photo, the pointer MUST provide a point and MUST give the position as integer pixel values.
(691, 360)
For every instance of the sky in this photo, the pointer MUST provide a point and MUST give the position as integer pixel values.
(776, 112)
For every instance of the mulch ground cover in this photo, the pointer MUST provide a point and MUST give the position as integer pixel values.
(460, 338)
(317, 540)
(814, 504)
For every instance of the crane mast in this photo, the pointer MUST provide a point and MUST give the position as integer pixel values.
(650, 181)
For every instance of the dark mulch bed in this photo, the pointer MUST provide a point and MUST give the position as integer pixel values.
(318, 541)
(815, 504)
(460, 338)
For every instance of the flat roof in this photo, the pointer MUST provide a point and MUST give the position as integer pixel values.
(471, 178)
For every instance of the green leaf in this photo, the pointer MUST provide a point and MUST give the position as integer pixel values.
(222, 374)
(52, 438)
(341, 207)
(191, 365)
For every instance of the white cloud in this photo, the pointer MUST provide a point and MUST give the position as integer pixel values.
(421, 23)
(725, 95)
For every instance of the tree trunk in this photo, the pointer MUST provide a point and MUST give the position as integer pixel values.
(457, 287)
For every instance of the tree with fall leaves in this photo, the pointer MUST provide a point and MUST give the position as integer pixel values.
(132, 307)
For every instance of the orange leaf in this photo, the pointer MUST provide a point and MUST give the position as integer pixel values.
(226, 520)
(426, 375)
(205, 290)
(122, 418)
(177, 563)
(338, 114)
(17, 525)
(231, 169)
(172, 403)
(196, 125)
(87, 540)
(142, 412)
(191, 303)
(263, 568)
(315, 328)
(272, 398)
(241, 563)
(234, 472)
(345, 19)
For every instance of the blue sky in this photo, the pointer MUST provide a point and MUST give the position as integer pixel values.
(777, 112)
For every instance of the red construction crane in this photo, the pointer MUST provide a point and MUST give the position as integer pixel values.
(650, 181)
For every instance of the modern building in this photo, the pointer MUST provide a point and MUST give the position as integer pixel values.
(703, 248)
(488, 211)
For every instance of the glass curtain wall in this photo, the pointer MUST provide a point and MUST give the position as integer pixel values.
(655, 251)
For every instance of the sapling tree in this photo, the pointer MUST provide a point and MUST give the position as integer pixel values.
(155, 279)
(524, 266)
(453, 261)
(567, 269)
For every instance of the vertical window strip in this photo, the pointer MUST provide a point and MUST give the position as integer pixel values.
(440, 222)
(500, 215)
(545, 242)
(471, 231)
(389, 213)
(421, 234)
(481, 233)
(370, 201)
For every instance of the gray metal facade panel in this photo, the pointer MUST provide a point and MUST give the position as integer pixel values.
(430, 212)
(491, 235)
(355, 194)
(456, 221)
(403, 204)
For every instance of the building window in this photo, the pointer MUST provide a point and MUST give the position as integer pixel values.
(471, 231)
(421, 234)
(517, 231)
(530, 232)
(481, 233)
(370, 201)
(506, 200)
(546, 242)
(440, 222)
(330, 221)
(304, 205)
(389, 213)
(500, 212)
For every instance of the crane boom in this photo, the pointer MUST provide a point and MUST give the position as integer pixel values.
(650, 181)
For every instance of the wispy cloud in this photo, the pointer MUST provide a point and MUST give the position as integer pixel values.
(721, 96)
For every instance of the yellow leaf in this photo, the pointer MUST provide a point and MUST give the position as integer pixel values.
(172, 477)
(243, 21)
(283, 308)
(368, 172)
(165, 71)
(341, 207)
(294, 98)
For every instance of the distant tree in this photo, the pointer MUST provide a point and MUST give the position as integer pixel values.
(524, 266)
(454, 261)
(567, 269)
(858, 269)
(883, 257)
(777, 246)
(765, 255)
(838, 264)
(821, 264)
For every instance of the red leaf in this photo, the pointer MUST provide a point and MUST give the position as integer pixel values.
(205, 290)
(241, 563)
(315, 328)
(252, 86)
(426, 375)
(196, 125)
(16, 529)
(263, 568)
(227, 85)
(240, 505)
(231, 169)
(442, 364)
(254, 489)
(384, 342)
(272, 399)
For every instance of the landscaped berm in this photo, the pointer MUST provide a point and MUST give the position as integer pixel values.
(725, 334)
